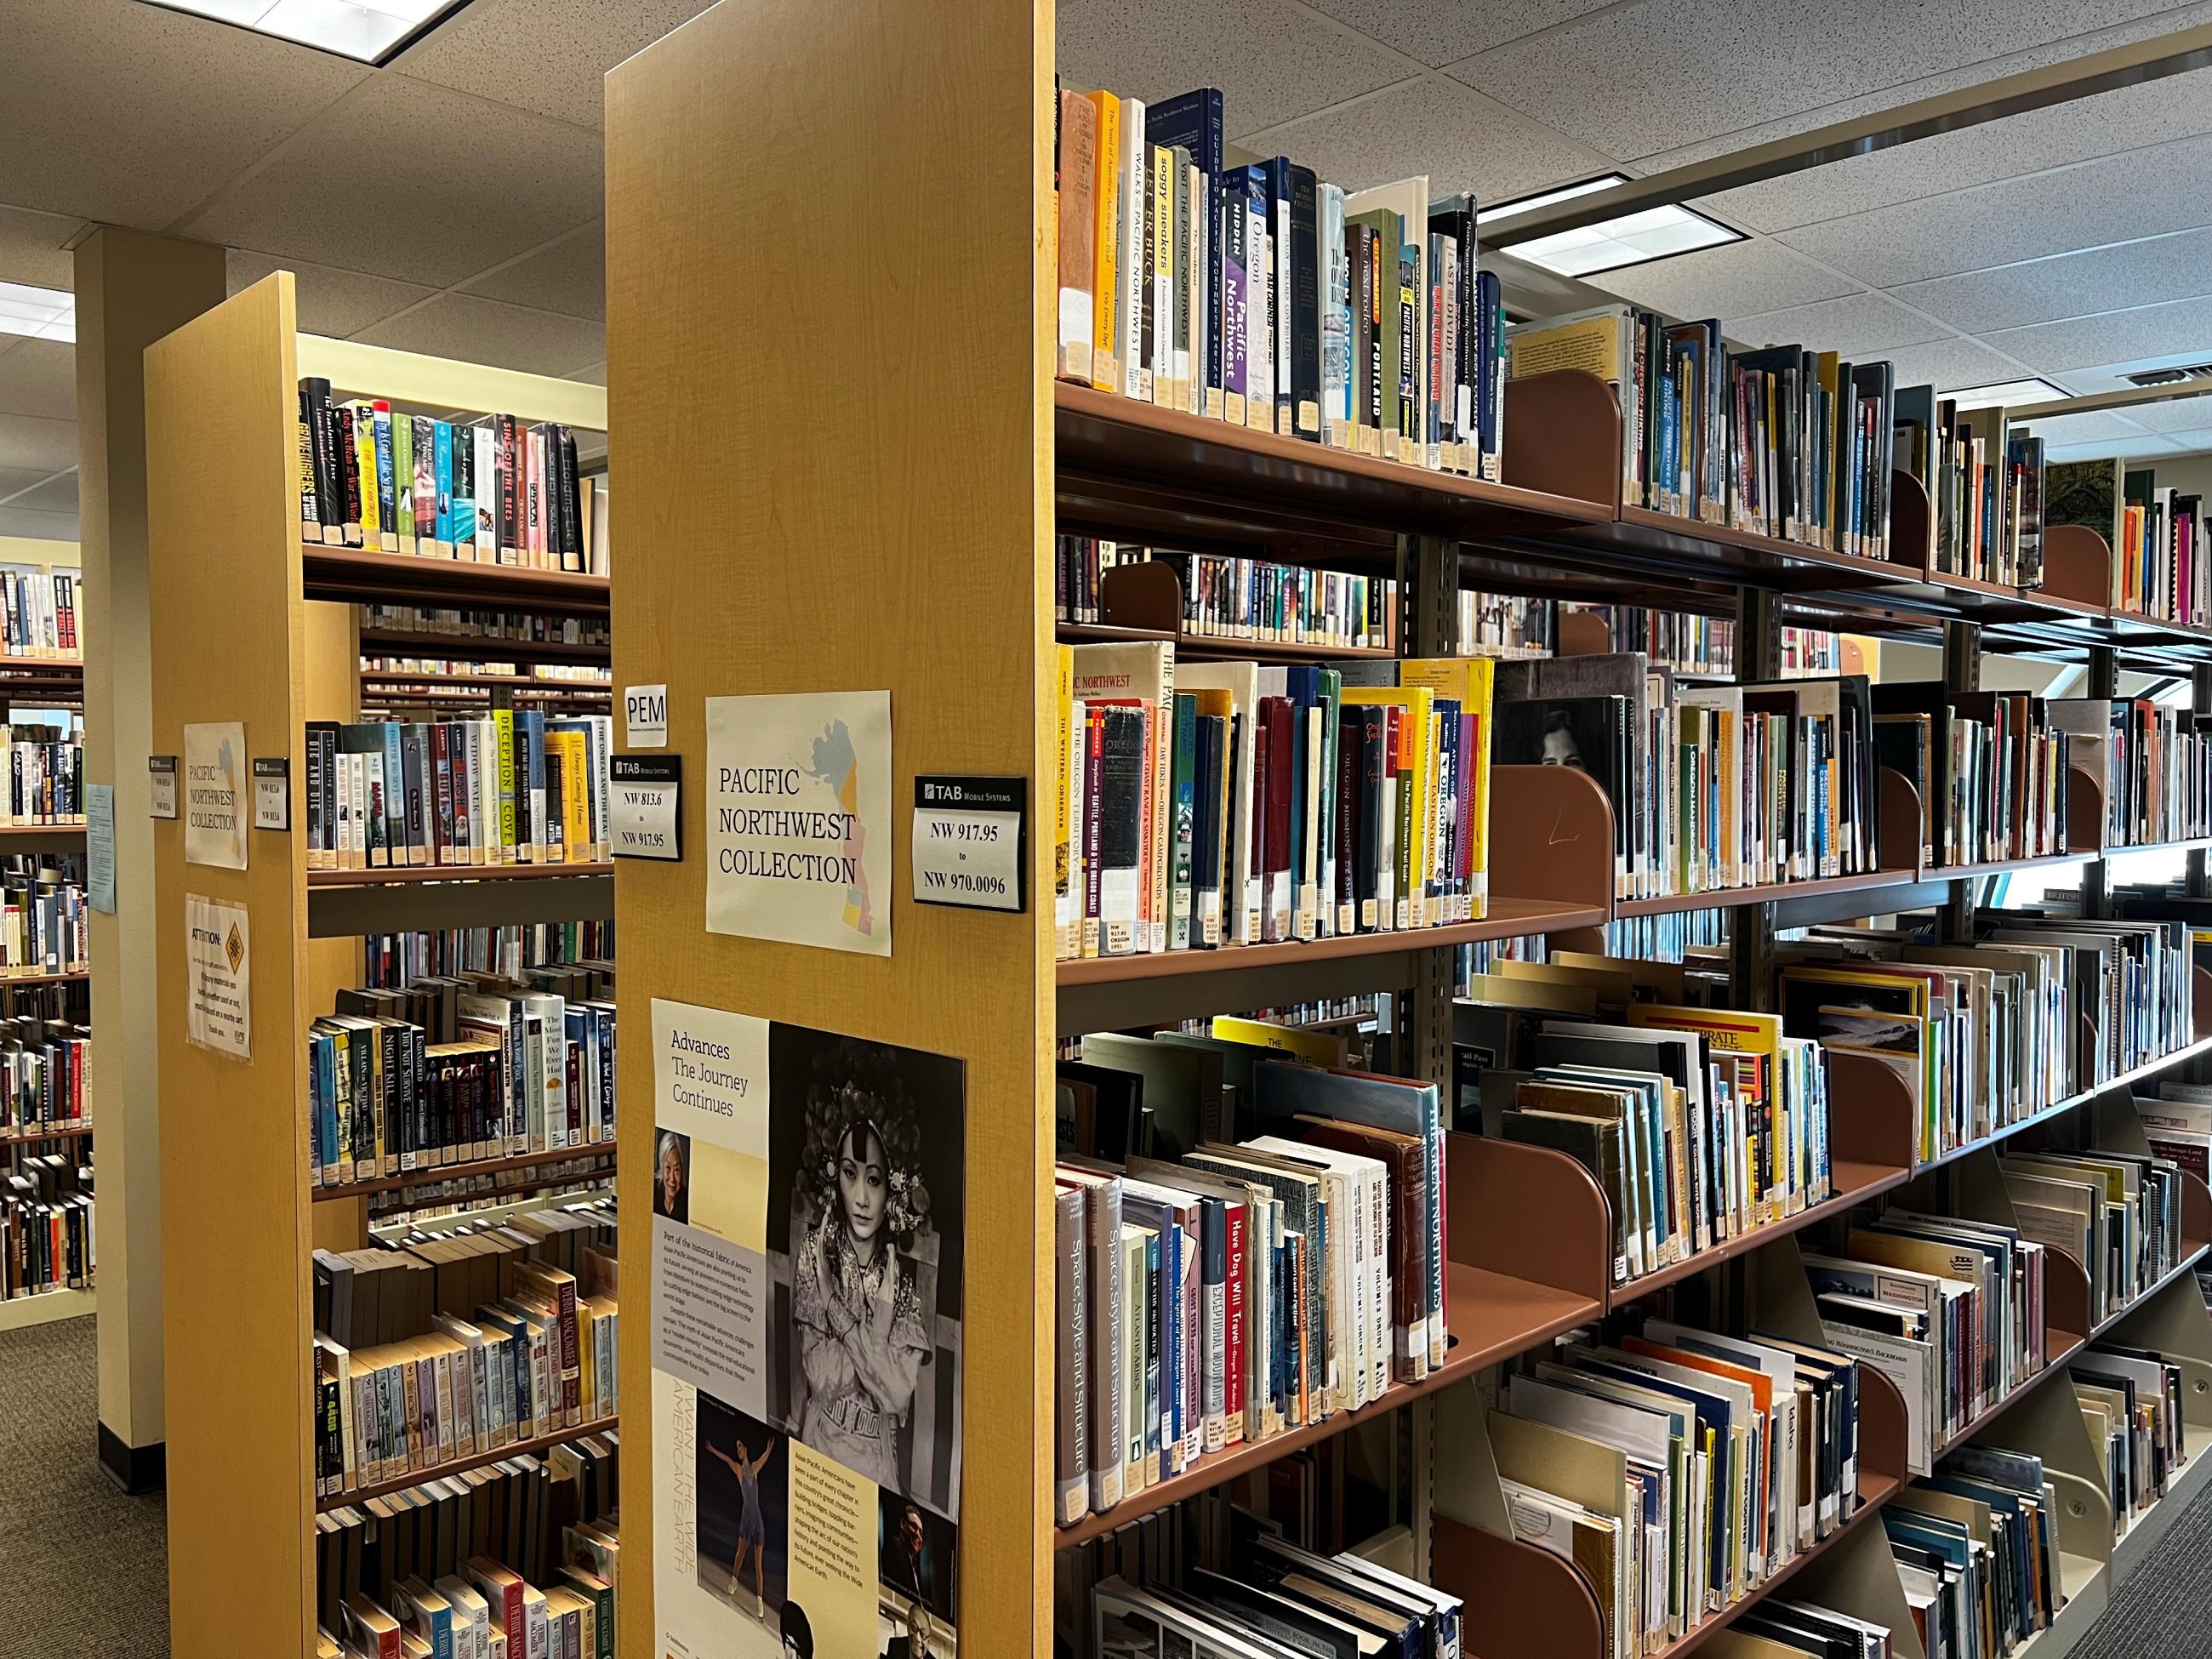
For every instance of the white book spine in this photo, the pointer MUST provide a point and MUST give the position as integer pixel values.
(1132, 269)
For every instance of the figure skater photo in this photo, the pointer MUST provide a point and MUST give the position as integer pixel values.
(752, 1530)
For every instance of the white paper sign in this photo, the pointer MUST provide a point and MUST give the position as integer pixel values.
(219, 973)
(641, 796)
(968, 841)
(100, 845)
(798, 819)
(215, 794)
(646, 708)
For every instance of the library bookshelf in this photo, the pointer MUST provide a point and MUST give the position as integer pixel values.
(899, 537)
(259, 628)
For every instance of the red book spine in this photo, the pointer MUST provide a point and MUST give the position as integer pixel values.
(1094, 806)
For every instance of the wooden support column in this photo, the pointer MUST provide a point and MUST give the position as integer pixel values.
(131, 289)
(851, 518)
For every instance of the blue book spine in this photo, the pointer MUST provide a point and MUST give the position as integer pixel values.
(1193, 119)
(442, 453)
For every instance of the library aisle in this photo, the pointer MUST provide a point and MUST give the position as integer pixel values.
(87, 1565)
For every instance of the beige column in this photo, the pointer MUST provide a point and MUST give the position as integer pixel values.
(131, 289)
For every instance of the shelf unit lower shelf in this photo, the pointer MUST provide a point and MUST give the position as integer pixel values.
(1494, 1318)
(461, 1465)
(20, 1313)
(407, 1179)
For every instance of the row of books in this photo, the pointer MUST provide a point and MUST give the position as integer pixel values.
(45, 922)
(397, 959)
(513, 627)
(1699, 1126)
(1712, 786)
(1985, 484)
(2155, 764)
(454, 1070)
(46, 1225)
(2117, 1213)
(2162, 557)
(1689, 644)
(407, 1213)
(555, 676)
(1230, 597)
(42, 1074)
(2131, 1405)
(1977, 1548)
(1267, 297)
(1989, 767)
(39, 607)
(1951, 1310)
(515, 787)
(1736, 1455)
(1220, 1285)
(45, 775)
(1506, 625)
(492, 490)
(1274, 1600)
(1779, 441)
(519, 1558)
(1203, 803)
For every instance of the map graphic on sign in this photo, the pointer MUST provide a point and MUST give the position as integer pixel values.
(834, 765)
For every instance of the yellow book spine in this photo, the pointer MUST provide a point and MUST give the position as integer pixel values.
(1315, 1047)
(364, 453)
(1105, 343)
(575, 795)
(1064, 695)
(1482, 676)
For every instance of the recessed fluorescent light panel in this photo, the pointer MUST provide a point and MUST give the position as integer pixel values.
(367, 31)
(1634, 238)
(44, 313)
(2030, 390)
(1519, 204)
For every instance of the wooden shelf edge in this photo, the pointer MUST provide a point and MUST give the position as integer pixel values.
(462, 1465)
(1509, 918)
(469, 648)
(74, 976)
(1730, 898)
(356, 574)
(409, 875)
(432, 1177)
(1565, 1312)
(27, 1136)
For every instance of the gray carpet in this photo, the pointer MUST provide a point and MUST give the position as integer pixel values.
(2165, 1609)
(86, 1568)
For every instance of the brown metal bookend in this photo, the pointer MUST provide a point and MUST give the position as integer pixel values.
(1904, 824)
(1871, 1124)
(1522, 1603)
(1551, 836)
(1583, 634)
(1911, 525)
(1530, 1214)
(1578, 452)
(2085, 810)
(2065, 1302)
(2200, 1004)
(1147, 595)
(2077, 565)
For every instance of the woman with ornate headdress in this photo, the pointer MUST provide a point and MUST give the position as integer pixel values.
(862, 1337)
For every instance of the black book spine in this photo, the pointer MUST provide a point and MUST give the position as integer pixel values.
(330, 489)
(1305, 304)
(510, 484)
(572, 507)
(347, 460)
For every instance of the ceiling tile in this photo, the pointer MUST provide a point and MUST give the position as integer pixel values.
(2183, 326)
(504, 182)
(2199, 438)
(1741, 279)
(2128, 120)
(2178, 415)
(1273, 62)
(1860, 326)
(29, 440)
(569, 277)
(546, 56)
(2142, 193)
(1633, 84)
(38, 527)
(2138, 273)
(14, 480)
(486, 331)
(331, 301)
(2130, 449)
(1442, 31)
(134, 115)
(594, 375)
(1949, 365)
(38, 377)
(1464, 141)
(56, 494)
(33, 247)
(2094, 426)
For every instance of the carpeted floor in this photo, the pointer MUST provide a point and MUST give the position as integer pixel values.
(2165, 1609)
(86, 1569)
